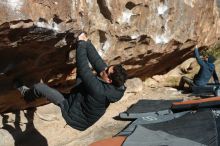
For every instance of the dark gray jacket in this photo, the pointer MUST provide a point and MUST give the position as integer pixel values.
(91, 96)
(207, 70)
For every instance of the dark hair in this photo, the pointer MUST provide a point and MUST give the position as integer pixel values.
(119, 75)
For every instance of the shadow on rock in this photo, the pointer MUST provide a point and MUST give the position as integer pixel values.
(28, 137)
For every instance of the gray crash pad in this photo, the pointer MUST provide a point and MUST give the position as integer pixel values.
(145, 108)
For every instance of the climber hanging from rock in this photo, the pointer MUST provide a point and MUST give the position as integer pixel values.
(92, 94)
(207, 70)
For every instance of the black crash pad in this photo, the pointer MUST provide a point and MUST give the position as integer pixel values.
(144, 108)
(201, 127)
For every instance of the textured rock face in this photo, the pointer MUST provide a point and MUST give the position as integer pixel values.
(31, 54)
(148, 37)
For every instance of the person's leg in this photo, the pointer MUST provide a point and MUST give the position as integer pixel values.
(185, 80)
(42, 90)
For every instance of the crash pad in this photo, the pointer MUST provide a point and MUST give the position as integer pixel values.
(113, 141)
